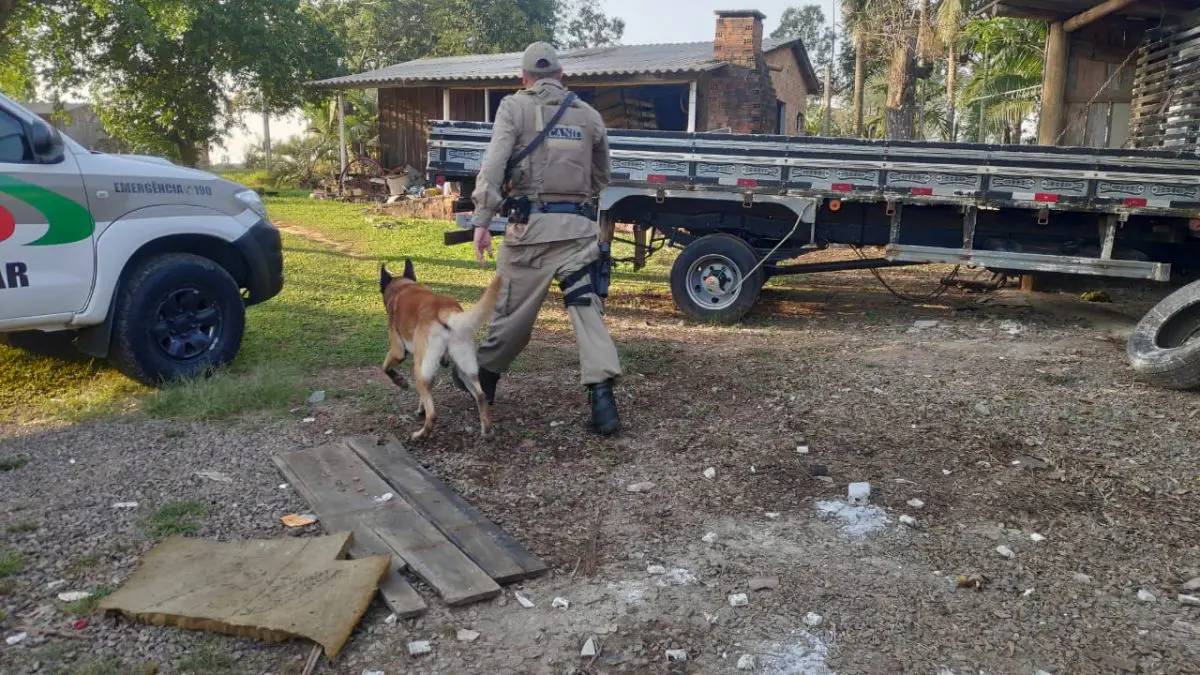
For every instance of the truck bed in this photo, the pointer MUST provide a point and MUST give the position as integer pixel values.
(1114, 181)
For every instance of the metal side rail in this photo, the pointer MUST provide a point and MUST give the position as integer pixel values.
(1031, 262)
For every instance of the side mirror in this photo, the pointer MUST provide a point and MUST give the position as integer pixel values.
(46, 142)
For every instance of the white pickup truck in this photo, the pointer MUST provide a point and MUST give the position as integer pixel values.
(138, 260)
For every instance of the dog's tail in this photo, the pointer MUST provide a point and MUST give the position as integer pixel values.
(464, 324)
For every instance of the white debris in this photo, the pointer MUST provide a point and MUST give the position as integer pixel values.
(857, 521)
(739, 600)
(925, 324)
(1040, 672)
(656, 569)
(560, 603)
(909, 521)
(1036, 537)
(74, 596)
(772, 515)
(709, 538)
(1028, 592)
(556, 424)
(1186, 599)
(1145, 595)
(746, 662)
(1193, 585)
(56, 584)
(465, 635)
(916, 503)
(677, 576)
(676, 655)
(384, 498)
(125, 505)
(316, 397)
(391, 620)
(590, 648)
(525, 602)
(309, 420)
(372, 672)
(1081, 578)
(418, 647)
(216, 476)
(859, 493)
(802, 449)
(1005, 551)
(812, 619)
(710, 473)
(983, 409)
(711, 618)
(640, 487)
(283, 486)
(945, 472)
(15, 638)
(1012, 327)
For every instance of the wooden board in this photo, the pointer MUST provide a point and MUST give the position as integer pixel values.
(483, 541)
(269, 590)
(342, 489)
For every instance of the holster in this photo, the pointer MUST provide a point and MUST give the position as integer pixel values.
(602, 271)
(517, 209)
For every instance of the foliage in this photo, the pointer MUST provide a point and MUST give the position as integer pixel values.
(173, 518)
(1006, 78)
(162, 72)
(809, 24)
(581, 23)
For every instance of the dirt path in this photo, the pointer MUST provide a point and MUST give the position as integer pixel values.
(1006, 419)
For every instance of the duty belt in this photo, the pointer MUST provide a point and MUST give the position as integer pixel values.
(580, 209)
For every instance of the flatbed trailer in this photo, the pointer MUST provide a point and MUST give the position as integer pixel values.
(742, 206)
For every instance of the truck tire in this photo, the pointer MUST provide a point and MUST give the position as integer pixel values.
(1165, 345)
(705, 276)
(178, 315)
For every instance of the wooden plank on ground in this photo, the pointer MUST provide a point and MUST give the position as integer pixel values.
(334, 475)
(308, 474)
(503, 558)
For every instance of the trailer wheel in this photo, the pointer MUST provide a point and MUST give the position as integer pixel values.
(712, 282)
(1165, 345)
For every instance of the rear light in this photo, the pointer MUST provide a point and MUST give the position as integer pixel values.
(835, 205)
(1194, 225)
(440, 181)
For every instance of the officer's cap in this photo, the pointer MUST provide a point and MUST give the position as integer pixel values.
(540, 60)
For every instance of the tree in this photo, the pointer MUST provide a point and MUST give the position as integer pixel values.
(163, 73)
(809, 24)
(951, 15)
(581, 23)
(1006, 80)
(16, 67)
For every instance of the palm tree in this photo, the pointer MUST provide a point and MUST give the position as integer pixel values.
(950, 19)
(1007, 79)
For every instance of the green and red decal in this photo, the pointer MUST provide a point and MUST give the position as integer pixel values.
(69, 221)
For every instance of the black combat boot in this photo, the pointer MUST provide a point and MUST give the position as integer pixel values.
(487, 381)
(605, 419)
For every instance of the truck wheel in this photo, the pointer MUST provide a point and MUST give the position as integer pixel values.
(178, 315)
(706, 276)
(1165, 345)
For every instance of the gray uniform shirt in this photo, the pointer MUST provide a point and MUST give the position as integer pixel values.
(571, 165)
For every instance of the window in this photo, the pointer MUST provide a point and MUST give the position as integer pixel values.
(781, 118)
(13, 148)
(800, 131)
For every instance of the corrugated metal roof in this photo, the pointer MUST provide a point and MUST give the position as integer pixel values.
(619, 60)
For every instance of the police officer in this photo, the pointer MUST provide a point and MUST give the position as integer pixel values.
(544, 182)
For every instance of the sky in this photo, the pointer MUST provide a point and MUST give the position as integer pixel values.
(646, 21)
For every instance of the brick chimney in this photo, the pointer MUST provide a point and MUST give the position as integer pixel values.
(740, 95)
(739, 36)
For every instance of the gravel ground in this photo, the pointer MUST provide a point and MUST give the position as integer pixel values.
(1008, 418)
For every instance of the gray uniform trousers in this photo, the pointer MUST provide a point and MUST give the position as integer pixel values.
(527, 271)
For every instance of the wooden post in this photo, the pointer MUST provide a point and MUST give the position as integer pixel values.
(692, 87)
(1098, 12)
(1054, 85)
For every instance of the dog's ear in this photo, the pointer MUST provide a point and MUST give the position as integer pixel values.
(409, 273)
(384, 278)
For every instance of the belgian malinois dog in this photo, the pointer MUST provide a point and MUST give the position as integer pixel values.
(436, 329)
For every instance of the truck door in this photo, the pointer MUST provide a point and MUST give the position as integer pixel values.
(47, 256)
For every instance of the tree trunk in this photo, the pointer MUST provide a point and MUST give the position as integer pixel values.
(901, 95)
(860, 76)
(951, 81)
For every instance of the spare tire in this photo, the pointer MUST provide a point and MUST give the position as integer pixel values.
(1165, 345)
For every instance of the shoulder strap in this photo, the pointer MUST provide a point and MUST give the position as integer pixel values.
(516, 159)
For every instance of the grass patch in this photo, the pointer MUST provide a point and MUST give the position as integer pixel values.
(104, 665)
(647, 358)
(24, 528)
(85, 562)
(204, 659)
(11, 563)
(173, 518)
(226, 395)
(12, 463)
(88, 605)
